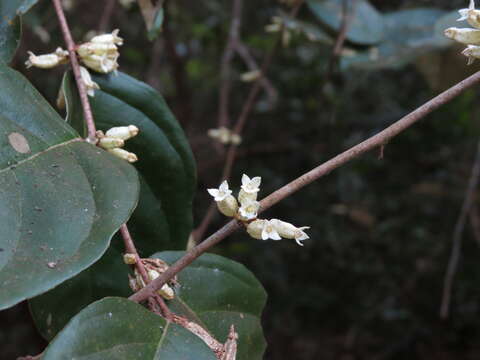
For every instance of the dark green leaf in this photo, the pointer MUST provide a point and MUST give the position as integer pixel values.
(58, 208)
(163, 218)
(10, 26)
(10, 32)
(366, 25)
(408, 34)
(216, 292)
(115, 328)
(106, 277)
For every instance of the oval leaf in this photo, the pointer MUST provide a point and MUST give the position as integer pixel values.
(216, 292)
(116, 328)
(366, 26)
(408, 34)
(58, 208)
(166, 164)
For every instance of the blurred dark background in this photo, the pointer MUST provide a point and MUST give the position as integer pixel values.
(369, 282)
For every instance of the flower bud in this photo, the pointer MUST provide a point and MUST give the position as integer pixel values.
(112, 38)
(166, 292)
(245, 197)
(90, 85)
(228, 206)
(47, 61)
(251, 75)
(255, 228)
(108, 142)
(129, 259)
(464, 36)
(123, 154)
(123, 132)
(472, 52)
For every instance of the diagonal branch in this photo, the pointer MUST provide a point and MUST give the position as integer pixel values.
(87, 111)
(311, 176)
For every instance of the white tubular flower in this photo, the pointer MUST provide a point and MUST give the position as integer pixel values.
(221, 193)
(251, 185)
(123, 154)
(471, 15)
(269, 231)
(289, 231)
(112, 38)
(108, 142)
(166, 292)
(235, 139)
(90, 85)
(101, 63)
(123, 132)
(248, 210)
(472, 52)
(465, 36)
(47, 61)
(255, 228)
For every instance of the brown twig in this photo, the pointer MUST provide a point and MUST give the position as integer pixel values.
(239, 125)
(457, 236)
(225, 68)
(31, 357)
(87, 112)
(106, 15)
(348, 10)
(311, 176)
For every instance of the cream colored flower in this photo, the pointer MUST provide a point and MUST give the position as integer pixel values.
(123, 132)
(289, 231)
(90, 85)
(255, 228)
(251, 185)
(471, 15)
(111, 38)
(465, 36)
(472, 52)
(123, 154)
(221, 193)
(248, 210)
(47, 61)
(269, 231)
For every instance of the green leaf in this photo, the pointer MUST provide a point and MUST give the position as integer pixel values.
(10, 26)
(107, 277)
(10, 32)
(166, 165)
(58, 208)
(115, 328)
(366, 26)
(408, 34)
(216, 292)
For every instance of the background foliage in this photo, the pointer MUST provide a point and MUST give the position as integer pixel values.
(368, 285)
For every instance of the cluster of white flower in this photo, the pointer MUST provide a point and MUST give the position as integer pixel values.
(468, 36)
(247, 212)
(99, 54)
(225, 136)
(114, 139)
